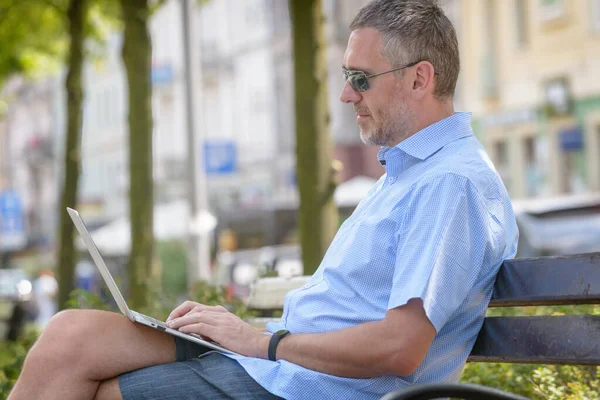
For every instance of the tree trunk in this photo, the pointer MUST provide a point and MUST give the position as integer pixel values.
(76, 15)
(137, 51)
(317, 217)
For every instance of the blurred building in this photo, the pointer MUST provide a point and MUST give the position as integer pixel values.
(245, 116)
(33, 128)
(104, 180)
(248, 112)
(27, 155)
(529, 75)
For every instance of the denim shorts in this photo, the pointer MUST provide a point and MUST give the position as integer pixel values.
(197, 374)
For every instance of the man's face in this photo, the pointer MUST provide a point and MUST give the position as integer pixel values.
(382, 112)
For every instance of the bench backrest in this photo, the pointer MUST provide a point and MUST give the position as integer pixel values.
(566, 339)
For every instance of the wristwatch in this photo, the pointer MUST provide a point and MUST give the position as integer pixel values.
(274, 341)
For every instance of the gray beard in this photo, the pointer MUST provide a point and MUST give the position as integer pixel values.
(387, 135)
(378, 139)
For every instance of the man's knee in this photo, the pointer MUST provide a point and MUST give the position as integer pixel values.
(68, 326)
(64, 337)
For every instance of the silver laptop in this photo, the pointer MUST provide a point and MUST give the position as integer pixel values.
(134, 316)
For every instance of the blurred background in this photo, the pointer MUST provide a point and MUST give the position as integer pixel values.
(529, 76)
(195, 99)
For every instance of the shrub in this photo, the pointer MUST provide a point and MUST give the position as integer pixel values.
(12, 355)
(173, 258)
(543, 382)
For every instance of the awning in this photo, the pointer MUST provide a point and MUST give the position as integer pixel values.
(171, 221)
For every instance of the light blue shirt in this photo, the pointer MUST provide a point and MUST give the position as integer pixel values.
(436, 226)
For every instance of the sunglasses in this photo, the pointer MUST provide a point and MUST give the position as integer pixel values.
(359, 80)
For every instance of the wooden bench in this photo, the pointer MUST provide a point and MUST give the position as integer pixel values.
(543, 281)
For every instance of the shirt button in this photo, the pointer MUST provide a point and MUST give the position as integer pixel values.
(392, 179)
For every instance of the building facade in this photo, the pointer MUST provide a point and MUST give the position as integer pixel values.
(27, 154)
(248, 100)
(529, 75)
(104, 181)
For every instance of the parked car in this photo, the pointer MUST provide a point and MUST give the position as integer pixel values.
(558, 225)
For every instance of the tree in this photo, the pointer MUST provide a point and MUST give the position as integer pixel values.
(34, 38)
(144, 272)
(76, 16)
(317, 217)
(31, 38)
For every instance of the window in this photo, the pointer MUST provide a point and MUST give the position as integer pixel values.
(598, 139)
(558, 97)
(533, 175)
(488, 64)
(522, 23)
(551, 10)
(572, 159)
(501, 162)
(595, 14)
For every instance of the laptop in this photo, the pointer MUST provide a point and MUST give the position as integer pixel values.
(133, 316)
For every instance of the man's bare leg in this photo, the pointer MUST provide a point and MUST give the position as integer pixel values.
(109, 390)
(81, 348)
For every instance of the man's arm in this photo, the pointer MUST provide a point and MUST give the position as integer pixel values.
(395, 345)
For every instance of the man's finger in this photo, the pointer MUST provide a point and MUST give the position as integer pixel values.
(183, 309)
(200, 328)
(207, 316)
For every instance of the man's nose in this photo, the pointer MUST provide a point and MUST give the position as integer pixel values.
(349, 95)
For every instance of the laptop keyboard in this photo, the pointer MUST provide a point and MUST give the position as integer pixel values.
(163, 325)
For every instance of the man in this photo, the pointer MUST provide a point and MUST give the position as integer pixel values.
(401, 293)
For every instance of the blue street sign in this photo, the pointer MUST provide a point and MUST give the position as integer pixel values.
(162, 74)
(220, 157)
(12, 226)
(571, 139)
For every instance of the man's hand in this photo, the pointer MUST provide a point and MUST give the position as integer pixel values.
(221, 326)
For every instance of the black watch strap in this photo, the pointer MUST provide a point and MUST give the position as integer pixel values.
(274, 341)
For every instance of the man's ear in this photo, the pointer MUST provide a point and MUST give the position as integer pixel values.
(424, 79)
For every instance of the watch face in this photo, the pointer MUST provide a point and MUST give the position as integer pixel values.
(281, 332)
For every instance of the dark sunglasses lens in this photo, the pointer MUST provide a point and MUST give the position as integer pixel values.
(359, 82)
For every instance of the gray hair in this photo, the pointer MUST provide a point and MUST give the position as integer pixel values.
(415, 30)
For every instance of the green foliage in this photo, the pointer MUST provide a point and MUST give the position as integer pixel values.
(12, 355)
(161, 305)
(173, 257)
(34, 34)
(32, 37)
(205, 293)
(83, 299)
(547, 382)
(592, 309)
(514, 378)
(567, 383)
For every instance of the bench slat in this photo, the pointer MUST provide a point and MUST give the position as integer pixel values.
(555, 280)
(572, 339)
